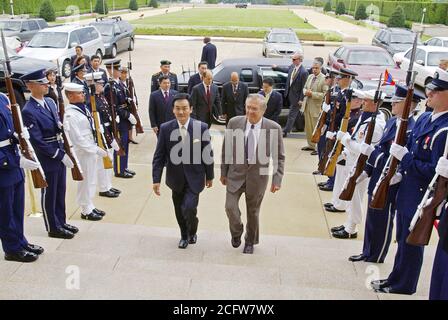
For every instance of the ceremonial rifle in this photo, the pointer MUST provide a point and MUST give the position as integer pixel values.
(131, 87)
(329, 143)
(26, 148)
(317, 132)
(113, 113)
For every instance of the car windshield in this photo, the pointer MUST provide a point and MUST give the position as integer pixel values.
(282, 38)
(435, 57)
(105, 29)
(48, 40)
(402, 38)
(370, 58)
(10, 25)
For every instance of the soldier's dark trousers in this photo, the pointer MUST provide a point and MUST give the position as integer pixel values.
(53, 199)
(12, 203)
(439, 278)
(121, 163)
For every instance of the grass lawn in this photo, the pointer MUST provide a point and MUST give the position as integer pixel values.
(229, 17)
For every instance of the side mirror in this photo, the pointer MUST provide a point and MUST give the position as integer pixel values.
(425, 43)
(420, 62)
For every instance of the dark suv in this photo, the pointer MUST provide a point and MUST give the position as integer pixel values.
(118, 35)
(22, 29)
(394, 39)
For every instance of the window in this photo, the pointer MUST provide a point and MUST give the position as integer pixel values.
(49, 40)
(247, 75)
(25, 26)
(33, 25)
(408, 54)
(83, 35)
(438, 43)
(73, 39)
(116, 29)
(339, 52)
(42, 23)
(94, 34)
(435, 57)
(371, 58)
(124, 27)
(278, 77)
(420, 55)
(445, 43)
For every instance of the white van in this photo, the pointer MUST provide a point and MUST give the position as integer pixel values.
(58, 44)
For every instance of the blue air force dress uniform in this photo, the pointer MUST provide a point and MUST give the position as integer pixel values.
(155, 85)
(12, 192)
(78, 123)
(126, 121)
(379, 222)
(352, 143)
(42, 120)
(425, 146)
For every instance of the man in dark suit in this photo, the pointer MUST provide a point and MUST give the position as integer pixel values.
(234, 94)
(209, 53)
(197, 77)
(161, 104)
(95, 67)
(205, 100)
(273, 98)
(79, 53)
(297, 76)
(189, 165)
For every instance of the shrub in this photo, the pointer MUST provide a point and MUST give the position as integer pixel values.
(361, 13)
(327, 6)
(154, 4)
(100, 8)
(133, 5)
(47, 11)
(397, 19)
(340, 8)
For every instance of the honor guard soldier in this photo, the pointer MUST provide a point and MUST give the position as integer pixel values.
(379, 223)
(418, 161)
(127, 119)
(79, 125)
(79, 72)
(165, 66)
(12, 191)
(104, 175)
(41, 118)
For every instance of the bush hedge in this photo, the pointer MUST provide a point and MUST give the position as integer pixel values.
(46, 11)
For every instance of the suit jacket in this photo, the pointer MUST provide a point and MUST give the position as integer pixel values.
(319, 88)
(234, 104)
(256, 175)
(73, 60)
(294, 90)
(194, 80)
(160, 111)
(209, 53)
(52, 94)
(201, 109)
(275, 105)
(190, 171)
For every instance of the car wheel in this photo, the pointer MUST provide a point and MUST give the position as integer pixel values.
(386, 112)
(66, 69)
(131, 45)
(114, 51)
(99, 54)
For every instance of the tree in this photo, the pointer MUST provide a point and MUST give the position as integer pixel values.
(154, 4)
(327, 6)
(101, 7)
(340, 8)
(276, 2)
(133, 5)
(361, 13)
(397, 19)
(47, 11)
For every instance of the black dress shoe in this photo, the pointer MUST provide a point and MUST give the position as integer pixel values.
(285, 134)
(387, 289)
(124, 175)
(378, 284)
(333, 209)
(133, 142)
(317, 172)
(61, 234)
(326, 187)
(183, 244)
(108, 194)
(327, 204)
(92, 216)
(236, 242)
(338, 228)
(314, 153)
(307, 149)
(70, 228)
(21, 256)
(359, 257)
(34, 249)
(342, 234)
(193, 239)
(99, 212)
(130, 172)
(248, 248)
(321, 184)
(115, 190)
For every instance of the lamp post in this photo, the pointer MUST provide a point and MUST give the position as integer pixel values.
(423, 16)
(12, 7)
(104, 8)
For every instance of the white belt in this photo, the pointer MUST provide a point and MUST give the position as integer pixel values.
(5, 143)
(106, 124)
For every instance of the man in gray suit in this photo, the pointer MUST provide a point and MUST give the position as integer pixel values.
(250, 141)
(297, 75)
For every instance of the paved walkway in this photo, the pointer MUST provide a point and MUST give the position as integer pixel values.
(325, 22)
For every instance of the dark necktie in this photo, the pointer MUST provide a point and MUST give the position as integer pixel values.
(250, 144)
(166, 96)
(208, 98)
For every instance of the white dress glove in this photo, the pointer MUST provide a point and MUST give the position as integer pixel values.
(363, 176)
(326, 107)
(67, 162)
(330, 135)
(398, 151)
(28, 164)
(442, 167)
(117, 119)
(396, 178)
(132, 119)
(114, 145)
(25, 134)
(366, 149)
(101, 153)
(345, 138)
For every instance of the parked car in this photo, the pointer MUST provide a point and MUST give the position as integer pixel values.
(58, 44)
(437, 42)
(281, 43)
(241, 5)
(394, 39)
(118, 35)
(22, 29)
(19, 67)
(427, 59)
